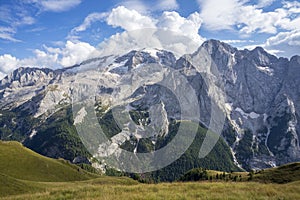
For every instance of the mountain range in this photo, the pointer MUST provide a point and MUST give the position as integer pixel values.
(257, 92)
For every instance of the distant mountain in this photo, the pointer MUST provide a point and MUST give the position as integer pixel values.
(261, 94)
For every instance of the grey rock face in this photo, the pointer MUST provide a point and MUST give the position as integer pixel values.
(261, 94)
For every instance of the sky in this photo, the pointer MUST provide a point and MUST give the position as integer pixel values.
(61, 33)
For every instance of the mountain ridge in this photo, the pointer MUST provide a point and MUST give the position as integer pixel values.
(262, 116)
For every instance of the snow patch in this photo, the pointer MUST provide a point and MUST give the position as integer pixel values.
(252, 115)
(32, 134)
(291, 105)
(266, 142)
(272, 163)
(228, 107)
(265, 117)
(152, 52)
(266, 70)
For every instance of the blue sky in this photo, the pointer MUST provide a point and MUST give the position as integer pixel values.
(60, 33)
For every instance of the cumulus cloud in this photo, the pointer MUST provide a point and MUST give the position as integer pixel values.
(219, 16)
(74, 53)
(284, 43)
(126, 41)
(235, 14)
(248, 19)
(7, 63)
(70, 54)
(129, 19)
(169, 31)
(186, 26)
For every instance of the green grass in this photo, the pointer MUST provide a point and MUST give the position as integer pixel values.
(12, 186)
(283, 174)
(19, 162)
(112, 188)
(25, 174)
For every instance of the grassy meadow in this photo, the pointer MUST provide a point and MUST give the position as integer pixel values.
(25, 174)
(113, 188)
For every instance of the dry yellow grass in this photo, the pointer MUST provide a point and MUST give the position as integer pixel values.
(109, 188)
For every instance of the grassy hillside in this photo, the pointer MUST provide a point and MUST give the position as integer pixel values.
(12, 186)
(45, 178)
(21, 163)
(283, 174)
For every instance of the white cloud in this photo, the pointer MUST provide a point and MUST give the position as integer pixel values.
(22, 13)
(7, 63)
(294, 5)
(264, 3)
(186, 26)
(137, 5)
(170, 31)
(57, 5)
(132, 20)
(74, 53)
(248, 19)
(219, 16)
(255, 20)
(145, 7)
(70, 54)
(129, 19)
(168, 5)
(237, 41)
(122, 43)
(91, 18)
(284, 44)
(7, 33)
(13, 17)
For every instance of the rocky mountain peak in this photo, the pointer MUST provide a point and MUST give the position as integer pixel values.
(26, 76)
(216, 47)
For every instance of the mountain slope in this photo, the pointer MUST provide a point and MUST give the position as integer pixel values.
(21, 163)
(282, 174)
(12, 186)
